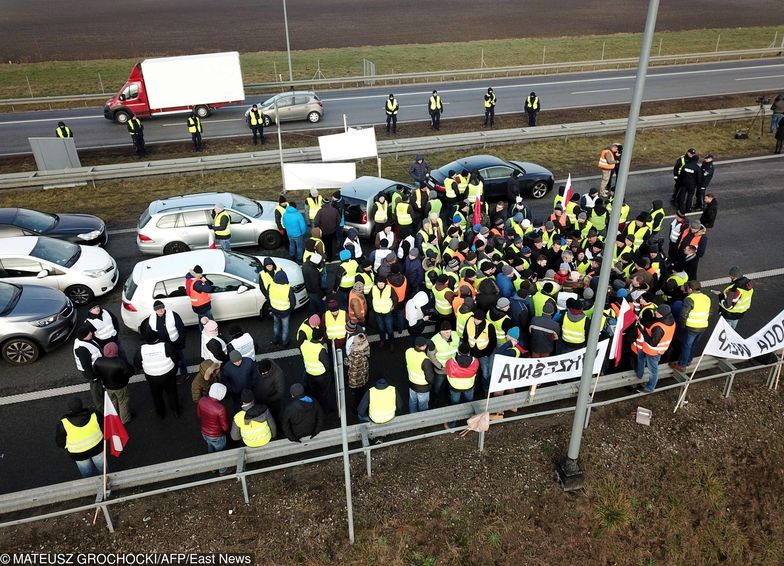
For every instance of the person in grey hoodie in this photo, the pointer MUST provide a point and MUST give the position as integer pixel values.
(253, 411)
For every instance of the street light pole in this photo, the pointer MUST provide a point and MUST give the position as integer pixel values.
(569, 471)
(288, 44)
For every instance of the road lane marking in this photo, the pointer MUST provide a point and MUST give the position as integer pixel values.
(602, 90)
(760, 78)
(33, 120)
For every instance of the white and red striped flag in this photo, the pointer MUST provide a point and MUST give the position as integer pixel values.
(626, 318)
(113, 428)
(567, 194)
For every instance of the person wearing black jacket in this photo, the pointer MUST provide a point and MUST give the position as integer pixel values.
(157, 360)
(169, 327)
(311, 274)
(707, 176)
(86, 351)
(237, 375)
(302, 417)
(688, 181)
(512, 189)
(80, 433)
(711, 210)
(114, 372)
(270, 386)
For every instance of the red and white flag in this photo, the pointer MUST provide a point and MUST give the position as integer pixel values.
(113, 428)
(477, 211)
(626, 318)
(211, 240)
(567, 194)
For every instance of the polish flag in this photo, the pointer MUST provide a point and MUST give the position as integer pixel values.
(211, 240)
(567, 192)
(477, 211)
(626, 318)
(113, 428)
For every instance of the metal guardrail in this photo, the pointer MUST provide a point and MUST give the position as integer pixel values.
(31, 179)
(435, 76)
(362, 434)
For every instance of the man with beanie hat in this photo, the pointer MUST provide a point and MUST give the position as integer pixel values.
(443, 347)
(574, 326)
(198, 289)
(253, 424)
(280, 210)
(653, 340)
(318, 370)
(499, 316)
(735, 299)
(86, 351)
(157, 360)
(544, 333)
(420, 375)
(380, 403)
(213, 419)
(282, 302)
(312, 270)
(328, 220)
(694, 317)
(80, 433)
(345, 276)
(480, 336)
(383, 300)
(238, 375)
(170, 328)
(113, 372)
(461, 373)
(302, 417)
(269, 387)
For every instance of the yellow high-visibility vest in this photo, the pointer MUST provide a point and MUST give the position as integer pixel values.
(382, 299)
(80, 439)
(194, 124)
(256, 118)
(314, 205)
(573, 332)
(743, 303)
(442, 305)
(445, 351)
(402, 211)
(310, 356)
(383, 403)
(382, 212)
(700, 313)
(414, 359)
(336, 325)
(435, 103)
(392, 107)
(216, 222)
(480, 341)
(350, 273)
(279, 296)
(254, 433)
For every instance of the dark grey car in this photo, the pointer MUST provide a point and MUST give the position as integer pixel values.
(33, 319)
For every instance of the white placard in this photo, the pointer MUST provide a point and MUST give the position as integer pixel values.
(306, 176)
(354, 144)
(511, 373)
(724, 342)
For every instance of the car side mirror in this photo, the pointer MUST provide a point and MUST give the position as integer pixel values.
(122, 98)
(242, 289)
(244, 220)
(43, 273)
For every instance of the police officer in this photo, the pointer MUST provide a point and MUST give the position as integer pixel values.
(391, 108)
(532, 108)
(689, 179)
(256, 123)
(435, 107)
(136, 130)
(489, 103)
(676, 171)
(195, 130)
(707, 176)
(63, 131)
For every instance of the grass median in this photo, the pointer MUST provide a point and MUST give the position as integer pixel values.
(108, 75)
(120, 203)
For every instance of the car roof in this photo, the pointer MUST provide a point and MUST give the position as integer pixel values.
(19, 245)
(293, 92)
(366, 187)
(197, 200)
(481, 161)
(168, 266)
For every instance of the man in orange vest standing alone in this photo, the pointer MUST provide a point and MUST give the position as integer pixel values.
(606, 165)
(198, 289)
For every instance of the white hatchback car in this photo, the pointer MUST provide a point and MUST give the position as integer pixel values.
(81, 272)
(234, 277)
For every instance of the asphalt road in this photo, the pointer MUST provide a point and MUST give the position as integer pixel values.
(749, 203)
(462, 99)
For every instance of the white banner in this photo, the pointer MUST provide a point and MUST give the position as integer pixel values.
(724, 342)
(511, 373)
(306, 176)
(354, 144)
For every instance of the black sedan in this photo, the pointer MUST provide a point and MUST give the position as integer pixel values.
(82, 229)
(535, 180)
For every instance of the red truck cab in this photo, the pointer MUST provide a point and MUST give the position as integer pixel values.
(131, 100)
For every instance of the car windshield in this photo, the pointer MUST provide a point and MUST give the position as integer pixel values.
(9, 296)
(245, 266)
(455, 166)
(56, 251)
(246, 206)
(269, 102)
(34, 220)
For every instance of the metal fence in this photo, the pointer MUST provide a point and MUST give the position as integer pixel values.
(447, 75)
(282, 454)
(32, 179)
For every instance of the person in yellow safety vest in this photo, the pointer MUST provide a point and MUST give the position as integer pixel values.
(435, 107)
(195, 130)
(694, 316)
(461, 372)
(380, 212)
(443, 295)
(136, 131)
(434, 207)
(499, 318)
(476, 188)
(489, 104)
(80, 433)
(380, 403)
(735, 299)
(335, 320)
(391, 108)
(318, 370)
(280, 210)
(383, 301)
(653, 341)
(639, 230)
(463, 179)
(625, 209)
(606, 165)
(282, 302)
(574, 326)
(267, 275)
(657, 217)
(451, 193)
(221, 227)
(314, 202)
(542, 296)
(405, 220)
(442, 347)
(256, 123)
(462, 315)
(345, 277)
(305, 330)
(63, 131)
(532, 108)
(253, 423)
(421, 374)
(479, 335)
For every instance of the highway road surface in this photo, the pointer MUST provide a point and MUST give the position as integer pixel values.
(462, 99)
(33, 398)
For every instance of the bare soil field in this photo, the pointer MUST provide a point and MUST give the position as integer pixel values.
(41, 30)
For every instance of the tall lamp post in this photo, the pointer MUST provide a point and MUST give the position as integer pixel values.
(568, 469)
(288, 44)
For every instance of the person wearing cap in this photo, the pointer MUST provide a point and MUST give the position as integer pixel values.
(391, 108)
(345, 276)
(63, 131)
(419, 171)
(158, 361)
(694, 317)
(136, 131)
(690, 155)
(480, 336)
(282, 302)
(357, 304)
(707, 171)
(352, 244)
(489, 104)
(499, 317)
(435, 107)
(318, 370)
(335, 320)
(295, 227)
(114, 373)
(639, 230)
(709, 211)
(195, 129)
(221, 227)
(574, 326)
(238, 374)
(170, 328)
(255, 119)
(269, 386)
(305, 330)
(242, 341)
(104, 326)
(461, 370)
(213, 420)
(313, 203)
(280, 210)
(442, 348)
(380, 403)
(735, 299)
(383, 301)
(328, 220)
(253, 423)
(695, 237)
(689, 179)
(420, 375)
(312, 269)
(302, 416)
(532, 108)
(357, 363)
(511, 346)
(86, 351)
(413, 271)
(653, 340)
(80, 433)
(198, 289)
(267, 275)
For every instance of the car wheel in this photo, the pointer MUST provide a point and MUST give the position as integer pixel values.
(121, 117)
(175, 248)
(314, 117)
(539, 189)
(267, 121)
(20, 351)
(270, 240)
(79, 294)
(202, 111)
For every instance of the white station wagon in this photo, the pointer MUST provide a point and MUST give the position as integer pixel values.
(234, 277)
(81, 272)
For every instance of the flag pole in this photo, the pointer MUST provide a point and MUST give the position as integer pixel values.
(688, 382)
(103, 497)
(778, 371)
